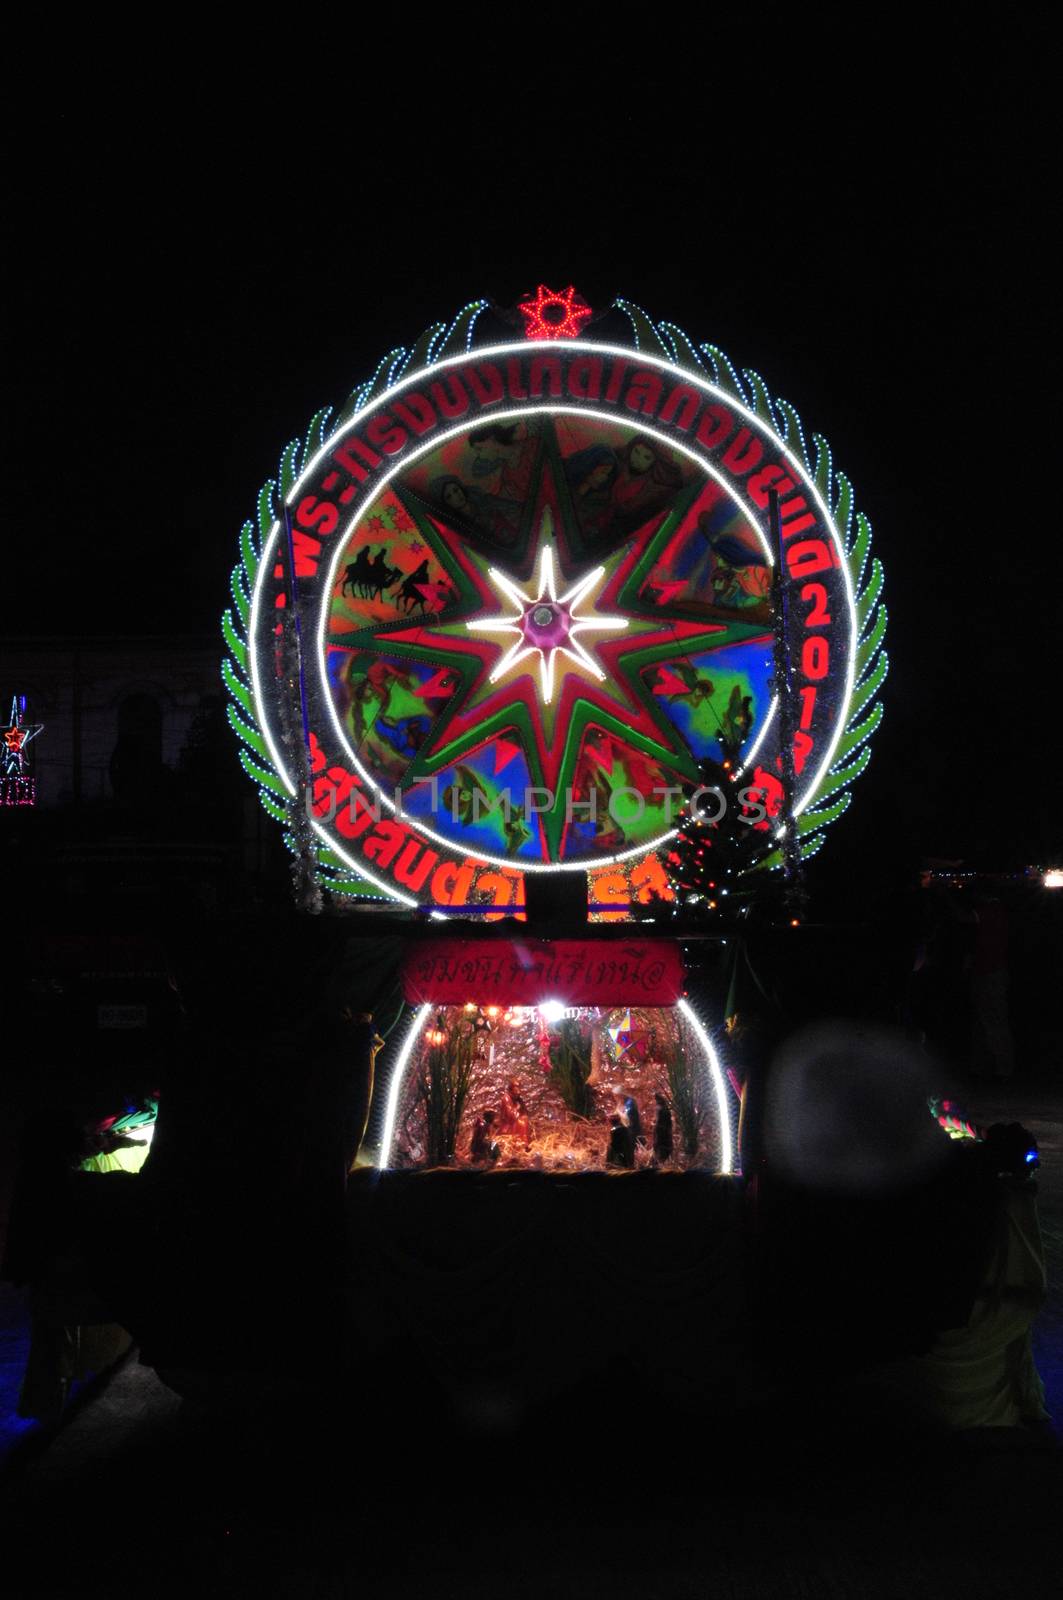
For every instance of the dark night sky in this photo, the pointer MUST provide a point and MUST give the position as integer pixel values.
(186, 285)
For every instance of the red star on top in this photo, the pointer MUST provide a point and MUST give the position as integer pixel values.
(554, 314)
(14, 739)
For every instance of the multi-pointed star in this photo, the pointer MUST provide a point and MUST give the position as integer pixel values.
(14, 739)
(554, 314)
(547, 625)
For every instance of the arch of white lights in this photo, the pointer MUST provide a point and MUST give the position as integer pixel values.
(383, 1153)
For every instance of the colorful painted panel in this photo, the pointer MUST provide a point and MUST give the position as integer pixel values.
(537, 632)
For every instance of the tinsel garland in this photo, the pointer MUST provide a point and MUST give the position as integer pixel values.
(305, 885)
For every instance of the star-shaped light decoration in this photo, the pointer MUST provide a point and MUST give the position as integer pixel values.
(554, 314)
(14, 739)
(621, 1034)
(545, 623)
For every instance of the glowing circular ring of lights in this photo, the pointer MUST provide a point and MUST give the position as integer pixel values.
(439, 594)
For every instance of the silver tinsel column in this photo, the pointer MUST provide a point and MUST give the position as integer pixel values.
(295, 737)
(793, 877)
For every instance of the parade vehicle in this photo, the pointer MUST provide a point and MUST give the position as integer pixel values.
(554, 652)
(559, 602)
(562, 630)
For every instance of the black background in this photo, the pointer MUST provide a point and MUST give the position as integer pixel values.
(198, 260)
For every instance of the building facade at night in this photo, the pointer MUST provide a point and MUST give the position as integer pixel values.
(101, 700)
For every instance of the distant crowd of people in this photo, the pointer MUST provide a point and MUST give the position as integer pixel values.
(957, 987)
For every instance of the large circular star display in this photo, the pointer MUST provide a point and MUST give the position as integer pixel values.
(537, 633)
(500, 610)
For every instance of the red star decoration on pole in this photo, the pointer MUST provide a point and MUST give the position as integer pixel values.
(554, 314)
(14, 739)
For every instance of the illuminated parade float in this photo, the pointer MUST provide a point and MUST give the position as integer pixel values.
(558, 607)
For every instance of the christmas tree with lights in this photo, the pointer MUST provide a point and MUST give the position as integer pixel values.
(717, 845)
(727, 830)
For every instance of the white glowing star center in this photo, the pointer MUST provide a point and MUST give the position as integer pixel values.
(544, 623)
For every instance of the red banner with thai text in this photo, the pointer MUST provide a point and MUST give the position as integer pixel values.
(527, 972)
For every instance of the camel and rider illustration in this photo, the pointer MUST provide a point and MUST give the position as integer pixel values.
(369, 576)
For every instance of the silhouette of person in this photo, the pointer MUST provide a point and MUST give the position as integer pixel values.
(483, 1147)
(621, 1151)
(662, 1131)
